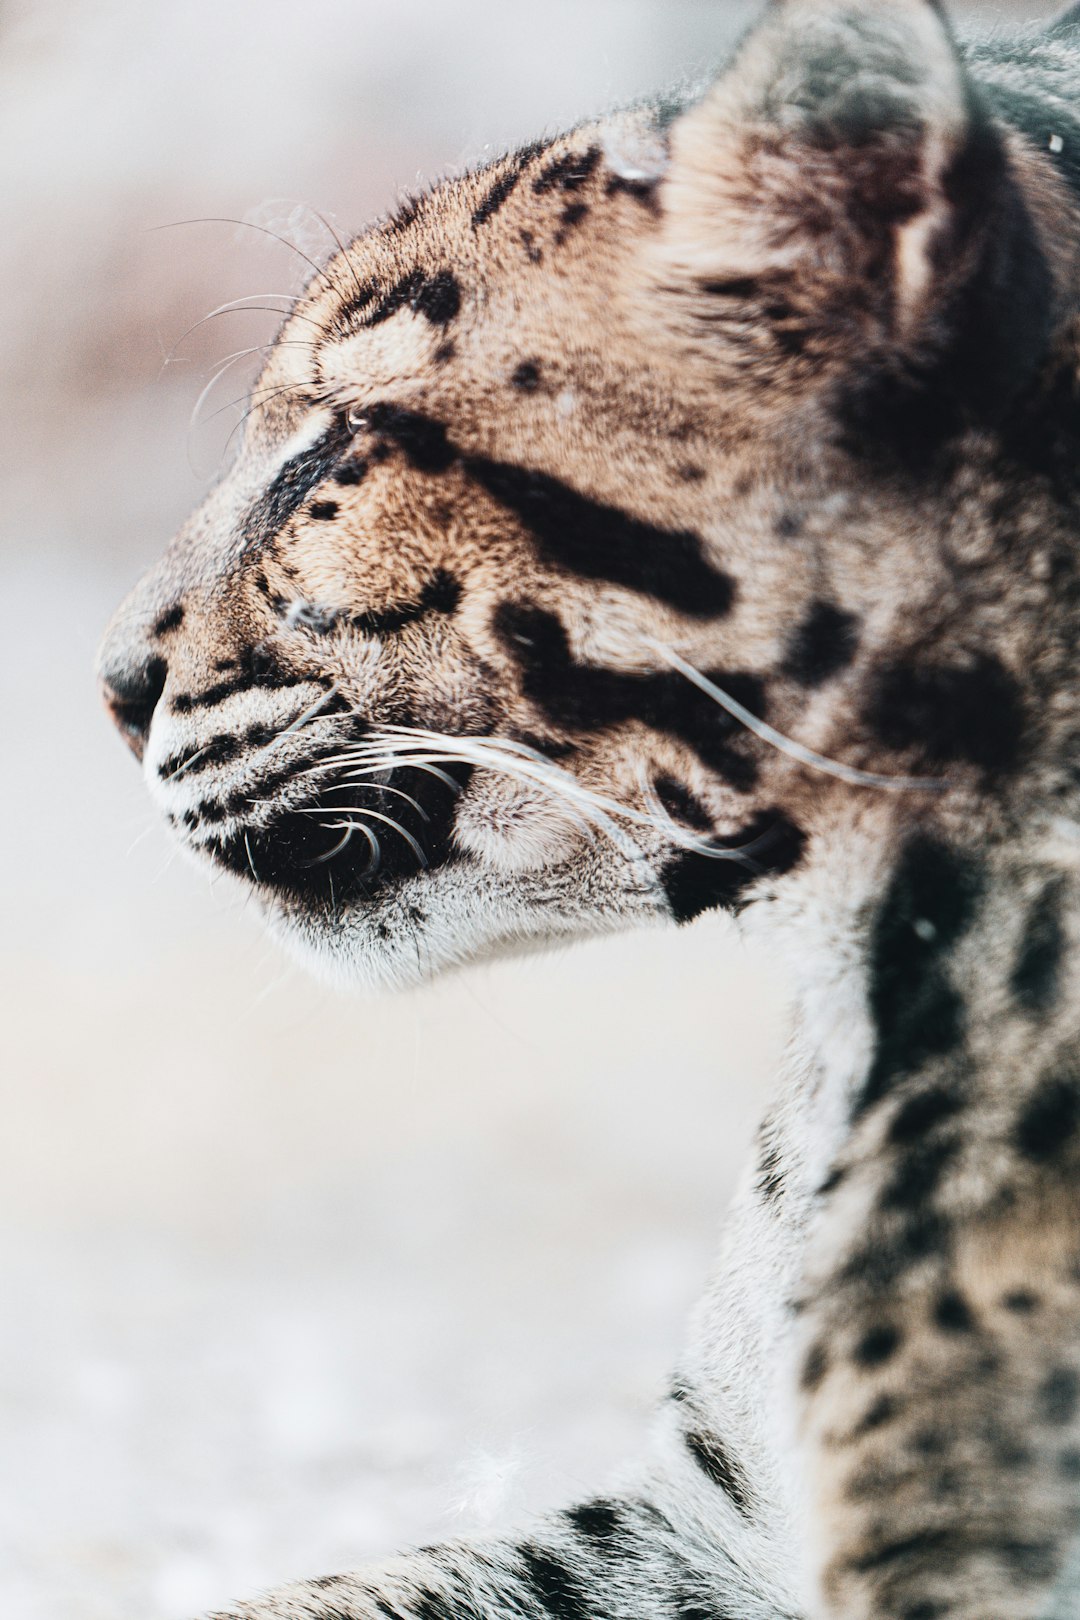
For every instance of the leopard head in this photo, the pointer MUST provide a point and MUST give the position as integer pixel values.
(613, 522)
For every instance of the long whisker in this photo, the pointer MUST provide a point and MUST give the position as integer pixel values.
(786, 745)
(375, 815)
(301, 719)
(191, 760)
(532, 769)
(239, 306)
(341, 247)
(389, 764)
(249, 225)
(258, 405)
(383, 787)
(266, 394)
(350, 827)
(233, 359)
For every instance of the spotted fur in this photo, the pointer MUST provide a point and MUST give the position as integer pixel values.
(682, 513)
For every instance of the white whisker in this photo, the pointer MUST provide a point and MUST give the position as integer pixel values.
(350, 827)
(302, 719)
(375, 815)
(786, 745)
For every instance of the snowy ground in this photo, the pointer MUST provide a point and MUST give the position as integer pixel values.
(289, 1280)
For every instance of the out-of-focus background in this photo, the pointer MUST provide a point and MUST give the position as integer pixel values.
(288, 1280)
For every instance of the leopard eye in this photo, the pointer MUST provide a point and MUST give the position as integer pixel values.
(356, 418)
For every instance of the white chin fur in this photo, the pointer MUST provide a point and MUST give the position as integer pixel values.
(447, 918)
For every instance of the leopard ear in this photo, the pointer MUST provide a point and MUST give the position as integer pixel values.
(840, 196)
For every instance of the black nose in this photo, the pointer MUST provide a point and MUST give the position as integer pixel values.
(131, 696)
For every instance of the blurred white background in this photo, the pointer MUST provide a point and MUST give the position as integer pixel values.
(288, 1280)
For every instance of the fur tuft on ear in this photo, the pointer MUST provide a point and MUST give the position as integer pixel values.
(841, 195)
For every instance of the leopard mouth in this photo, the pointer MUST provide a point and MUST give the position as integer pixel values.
(349, 841)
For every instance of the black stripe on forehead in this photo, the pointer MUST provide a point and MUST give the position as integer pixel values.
(571, 530)
(601, 542)
(292, 484)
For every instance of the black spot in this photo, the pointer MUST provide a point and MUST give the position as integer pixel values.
(436, 297)
(171, 619)
(573, 213)
(425, 1603)
(422, 439)
(918, 1015)
(292, 484)
(770, 1181)
(695, 883)
(587, 698)
(602, 542)
(526, 376)
(567, 173)
(715, 1462)
(599, 1521)
(445, 352)
(1036, 976)
(740, 289)
(878, 1345)
(789, 525)
(441, 594)
(259, 670)
(405, 214)
(952, 1314)
(823, 645)
(1069, 1463)
(1049, 1120)
(882, 1410)
(218, 751)
(324, 511)
(496, 195)
(682, 805)
(924, 1609)
(1058, 1396)
(918, 1173)
(1028, 1560)
(879, 1263)
(559, 1590)
(503, 187)
(353, 471)
(919, 1114)
(814, 1367)
(922, 1547)
(643, 190)
(928, 1442)
(950, 714)
(1021, 1301)
(691, 473)
(439, 299)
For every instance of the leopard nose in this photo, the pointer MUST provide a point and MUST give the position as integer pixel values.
(131, 692)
